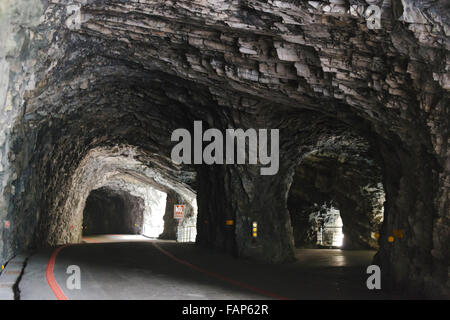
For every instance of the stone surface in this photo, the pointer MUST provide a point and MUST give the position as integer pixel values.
(10, 276)
(93, 89)
(341, 172)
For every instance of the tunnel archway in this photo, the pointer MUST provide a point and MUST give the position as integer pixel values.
(110, 211)
(93, 89)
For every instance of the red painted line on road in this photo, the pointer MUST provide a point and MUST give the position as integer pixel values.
(50, 277)
(219, 276)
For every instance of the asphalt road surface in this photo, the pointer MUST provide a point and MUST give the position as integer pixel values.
(134, 267)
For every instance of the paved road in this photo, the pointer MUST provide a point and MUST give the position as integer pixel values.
(134, 267)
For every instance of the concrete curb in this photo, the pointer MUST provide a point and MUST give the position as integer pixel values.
(11, 275)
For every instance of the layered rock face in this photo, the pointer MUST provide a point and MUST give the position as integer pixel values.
(91, 90)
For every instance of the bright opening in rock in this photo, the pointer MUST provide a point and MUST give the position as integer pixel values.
(327, 224)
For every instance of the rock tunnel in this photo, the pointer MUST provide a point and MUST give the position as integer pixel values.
(91, 92)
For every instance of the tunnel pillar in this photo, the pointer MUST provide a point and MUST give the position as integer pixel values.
(231, 199)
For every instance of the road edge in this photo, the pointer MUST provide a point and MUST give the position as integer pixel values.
(11, 275)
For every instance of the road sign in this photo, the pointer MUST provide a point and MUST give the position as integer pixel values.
(178, 211)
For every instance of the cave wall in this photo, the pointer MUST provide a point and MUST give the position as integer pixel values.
(78, 75)
(171, 225)
(154, 200)
(109, 211)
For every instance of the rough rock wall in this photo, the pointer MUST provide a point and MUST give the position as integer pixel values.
(109, 211)
(241, 194)
(324, 227)
(171, 225)
(88, 74)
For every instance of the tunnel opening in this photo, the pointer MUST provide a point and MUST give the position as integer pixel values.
(133, 203)
(337, 196)
(92, 92)
(329, 227)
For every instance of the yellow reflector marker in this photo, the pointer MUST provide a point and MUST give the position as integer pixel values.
(229, 222)
(398, 233)
(391, 239)
(255, 229)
